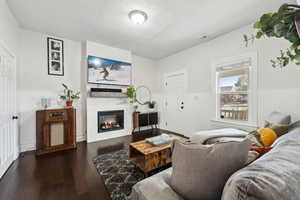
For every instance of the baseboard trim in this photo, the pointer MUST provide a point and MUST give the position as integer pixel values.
(122, 134)
(80, 138)
(27, 147)
(31, 146)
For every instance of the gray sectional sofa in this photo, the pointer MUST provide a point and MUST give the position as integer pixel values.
(274, 176)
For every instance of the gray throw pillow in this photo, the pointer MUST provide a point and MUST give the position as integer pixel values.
(201, 171)
(278, 118)
(294, 125)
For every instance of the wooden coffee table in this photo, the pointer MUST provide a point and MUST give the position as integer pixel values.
(147, 157)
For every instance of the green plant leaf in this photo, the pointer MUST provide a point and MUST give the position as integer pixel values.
(292, 36)
(283, 8)
(286, 61)
(259, 34)
(297, 51)
(257, 25)
(295, 45)
(297, 58)
(279, 29)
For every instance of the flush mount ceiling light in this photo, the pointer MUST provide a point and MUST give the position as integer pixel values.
(138, 16)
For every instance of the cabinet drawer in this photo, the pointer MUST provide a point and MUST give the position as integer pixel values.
(143, 120)
(153, 118)
(56, 115)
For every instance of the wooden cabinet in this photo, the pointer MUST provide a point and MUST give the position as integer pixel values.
(144, 119)
(55, 130)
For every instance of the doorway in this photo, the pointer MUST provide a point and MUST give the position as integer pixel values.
(8, 122)
(175, 102)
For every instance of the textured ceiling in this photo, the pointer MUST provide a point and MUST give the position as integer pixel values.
(173, 25)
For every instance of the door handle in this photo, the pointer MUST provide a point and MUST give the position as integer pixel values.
(15, 117)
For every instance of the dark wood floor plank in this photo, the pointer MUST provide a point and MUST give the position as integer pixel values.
(67, 175)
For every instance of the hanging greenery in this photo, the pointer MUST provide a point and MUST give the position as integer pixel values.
(280, 24)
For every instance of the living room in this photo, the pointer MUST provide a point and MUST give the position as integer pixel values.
(151, 71)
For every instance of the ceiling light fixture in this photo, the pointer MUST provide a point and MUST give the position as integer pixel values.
(138, 16)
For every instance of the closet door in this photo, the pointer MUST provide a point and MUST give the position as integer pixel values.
(8, 124)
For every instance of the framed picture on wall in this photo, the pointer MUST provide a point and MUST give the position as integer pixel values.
(55, 56)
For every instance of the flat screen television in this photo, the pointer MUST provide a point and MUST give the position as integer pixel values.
(109, 72)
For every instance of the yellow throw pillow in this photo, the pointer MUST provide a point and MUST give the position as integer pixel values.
(263, 137)
(267, 136)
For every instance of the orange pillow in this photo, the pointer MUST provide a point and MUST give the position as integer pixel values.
(267, 136)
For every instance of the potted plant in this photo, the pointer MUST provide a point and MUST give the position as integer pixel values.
(285, 23)
(151, 104)
(131, 94)
(69, 95)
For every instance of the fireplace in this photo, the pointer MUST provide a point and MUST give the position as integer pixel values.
(110, 120)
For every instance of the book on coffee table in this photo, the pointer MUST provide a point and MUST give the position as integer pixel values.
(160, 140)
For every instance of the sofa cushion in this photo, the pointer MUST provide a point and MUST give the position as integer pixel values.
(201, 171)
(275, 175)
(155, 187)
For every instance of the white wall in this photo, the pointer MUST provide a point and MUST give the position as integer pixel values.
(34, 82)
(9, 28)
(277, 89)
(145, 72)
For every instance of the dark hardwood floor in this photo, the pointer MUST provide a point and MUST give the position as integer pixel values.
(63, 175)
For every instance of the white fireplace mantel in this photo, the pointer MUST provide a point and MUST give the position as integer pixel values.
(99, 104)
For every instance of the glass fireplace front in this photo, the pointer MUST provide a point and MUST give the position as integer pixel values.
(110, 120)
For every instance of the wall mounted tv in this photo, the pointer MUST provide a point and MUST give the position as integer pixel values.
(107, 71)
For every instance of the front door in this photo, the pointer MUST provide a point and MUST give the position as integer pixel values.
(175, 105)
(8, 124)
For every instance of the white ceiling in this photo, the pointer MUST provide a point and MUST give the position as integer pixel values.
(172, 25)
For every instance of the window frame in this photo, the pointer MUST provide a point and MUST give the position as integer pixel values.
(252, 87)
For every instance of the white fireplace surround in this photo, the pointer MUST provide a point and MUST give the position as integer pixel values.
(94, 105)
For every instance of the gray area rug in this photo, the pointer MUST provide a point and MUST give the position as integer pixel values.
(118, 174)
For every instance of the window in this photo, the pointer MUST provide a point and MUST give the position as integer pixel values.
(235, 94)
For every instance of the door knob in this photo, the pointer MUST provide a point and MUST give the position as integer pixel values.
(15, 117)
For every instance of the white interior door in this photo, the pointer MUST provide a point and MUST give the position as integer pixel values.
(175, 86)
(8, 126)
